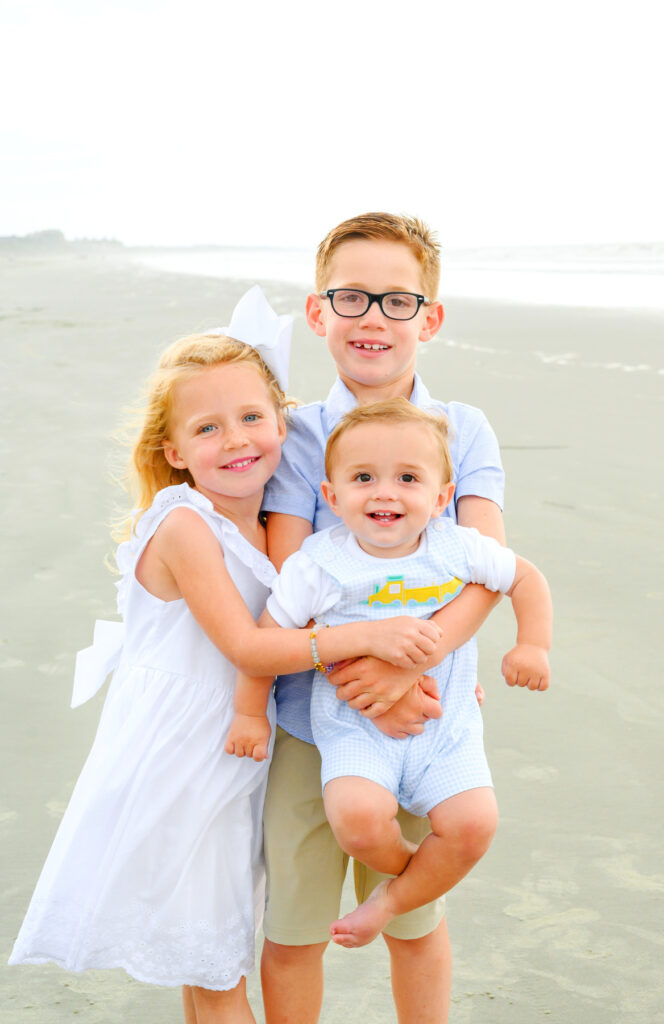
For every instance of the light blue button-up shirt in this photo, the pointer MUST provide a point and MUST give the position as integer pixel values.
(295, 490)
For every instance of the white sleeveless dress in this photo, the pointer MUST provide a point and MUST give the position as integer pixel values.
(157, 864)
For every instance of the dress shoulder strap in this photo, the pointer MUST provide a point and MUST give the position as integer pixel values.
(169, 498)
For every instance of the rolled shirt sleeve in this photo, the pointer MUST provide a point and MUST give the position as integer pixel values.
(301, 591)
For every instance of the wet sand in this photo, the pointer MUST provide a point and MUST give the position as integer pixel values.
(561, 921)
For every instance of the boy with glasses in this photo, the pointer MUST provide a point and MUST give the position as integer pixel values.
(374, 268)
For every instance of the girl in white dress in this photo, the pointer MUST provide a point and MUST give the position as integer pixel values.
(156, 866)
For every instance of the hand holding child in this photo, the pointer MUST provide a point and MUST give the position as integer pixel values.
(408, 716)
(527, 665)
(373, 684)
(370, 685)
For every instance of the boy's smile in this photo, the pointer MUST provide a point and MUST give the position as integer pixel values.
(386, 483)
(375, 355)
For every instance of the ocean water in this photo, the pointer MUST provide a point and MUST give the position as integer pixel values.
(612, 276)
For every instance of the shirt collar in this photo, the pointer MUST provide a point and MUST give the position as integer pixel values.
(340, 400)
(359, 554)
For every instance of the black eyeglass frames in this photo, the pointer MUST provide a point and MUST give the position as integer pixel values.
(355, 302)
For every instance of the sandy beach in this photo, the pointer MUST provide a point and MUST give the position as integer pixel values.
(562, 920)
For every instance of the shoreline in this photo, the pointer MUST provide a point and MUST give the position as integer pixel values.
(624, 278)
(561, 917)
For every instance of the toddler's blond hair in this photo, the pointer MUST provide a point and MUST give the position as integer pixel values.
(394, 411)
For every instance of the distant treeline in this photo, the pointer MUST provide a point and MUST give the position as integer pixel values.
(52, 240)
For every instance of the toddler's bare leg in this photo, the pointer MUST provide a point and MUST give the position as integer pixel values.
(228, 1007)
(463, 828)
(362, 815)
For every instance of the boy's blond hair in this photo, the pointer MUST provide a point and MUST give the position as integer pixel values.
(394, 410)
(148, 470)
(410, 231)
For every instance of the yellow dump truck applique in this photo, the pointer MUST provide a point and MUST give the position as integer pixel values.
(394, 590)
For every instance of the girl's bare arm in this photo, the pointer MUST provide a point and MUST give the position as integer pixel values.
(185, 553)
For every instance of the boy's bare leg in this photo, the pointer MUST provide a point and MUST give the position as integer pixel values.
(228, 1007)
(463, 828)
(362, 815)
(188, 1005)
(421, 969)
(421, 972)
(292, 982)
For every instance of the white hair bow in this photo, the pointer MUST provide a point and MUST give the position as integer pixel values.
(256, 324)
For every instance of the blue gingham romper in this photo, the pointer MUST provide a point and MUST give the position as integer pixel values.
(448, 757)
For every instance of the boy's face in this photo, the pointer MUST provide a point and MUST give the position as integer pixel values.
(372, 352)
(386, 485)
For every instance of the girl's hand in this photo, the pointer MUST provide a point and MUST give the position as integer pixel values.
(249, 736)
(404, 641)
(408, 716)
(527, 665)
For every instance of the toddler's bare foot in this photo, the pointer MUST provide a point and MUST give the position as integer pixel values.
(364, 923)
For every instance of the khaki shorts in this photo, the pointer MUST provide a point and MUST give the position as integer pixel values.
(305, 866)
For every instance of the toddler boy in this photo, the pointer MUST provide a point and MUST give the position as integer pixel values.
(388, 475)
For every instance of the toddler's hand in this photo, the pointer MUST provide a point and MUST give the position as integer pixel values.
(249, 736)
(527, 665)
(405, 641)
(408, 716)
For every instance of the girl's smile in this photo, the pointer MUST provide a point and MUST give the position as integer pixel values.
(240, 464)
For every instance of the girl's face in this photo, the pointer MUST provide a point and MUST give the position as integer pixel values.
(225, 430)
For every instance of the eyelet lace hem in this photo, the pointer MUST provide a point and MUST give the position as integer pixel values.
(150, 950)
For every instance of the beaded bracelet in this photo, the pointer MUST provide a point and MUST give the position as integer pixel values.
(318, 664)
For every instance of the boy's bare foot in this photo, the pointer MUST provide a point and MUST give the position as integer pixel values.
(364, 923)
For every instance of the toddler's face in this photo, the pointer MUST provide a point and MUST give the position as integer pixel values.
(373, 351)
(386, 485)
(225, 430)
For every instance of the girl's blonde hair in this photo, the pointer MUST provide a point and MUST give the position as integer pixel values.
(147, 470)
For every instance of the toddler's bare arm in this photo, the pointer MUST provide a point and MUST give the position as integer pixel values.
(527, 664)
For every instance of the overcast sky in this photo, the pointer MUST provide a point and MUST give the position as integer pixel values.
(184, 121)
